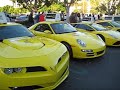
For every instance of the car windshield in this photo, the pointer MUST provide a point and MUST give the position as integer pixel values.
(117, 18)
(115, 24)
(60, 28)
(13, 31)
(98, 27)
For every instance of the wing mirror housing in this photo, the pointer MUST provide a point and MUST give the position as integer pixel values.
(47, 32)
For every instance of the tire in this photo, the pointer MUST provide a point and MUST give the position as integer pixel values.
(103, 38)
(69, 49)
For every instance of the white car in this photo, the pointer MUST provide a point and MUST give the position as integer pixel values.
(88, 19)
(53, 17)
(108, 17)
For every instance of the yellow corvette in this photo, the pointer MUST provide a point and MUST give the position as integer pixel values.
(28, 62)
(110, 25)
(79, 45)
(110, 37)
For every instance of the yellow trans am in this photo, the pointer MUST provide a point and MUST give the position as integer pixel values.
(28, 62)
(110, 25)
(79, 45)
(110, 37)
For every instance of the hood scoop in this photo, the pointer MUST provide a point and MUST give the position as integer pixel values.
(24, 43)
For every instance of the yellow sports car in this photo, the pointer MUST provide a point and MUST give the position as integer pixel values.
(79, 45)
(110, 25)
(110, 37)
(28, 62)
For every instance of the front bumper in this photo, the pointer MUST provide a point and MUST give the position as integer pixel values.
(36, 80)
(96, 53)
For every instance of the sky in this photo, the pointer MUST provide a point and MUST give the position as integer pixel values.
(5, 2)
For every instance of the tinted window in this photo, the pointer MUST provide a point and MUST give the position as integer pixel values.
(86, 19)
(105, 24)
(98, 27)
(116, 18)
(108, 18)
(14, 31)
(50, 16)
(83, 26)
(60, 28)
(42, 27)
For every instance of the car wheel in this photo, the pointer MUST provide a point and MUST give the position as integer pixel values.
(103, 38)
(69, 49)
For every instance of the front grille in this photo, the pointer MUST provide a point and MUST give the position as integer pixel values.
(117, 43)
(26, 87)
(90, 54)
(100, 52)
(35, 69)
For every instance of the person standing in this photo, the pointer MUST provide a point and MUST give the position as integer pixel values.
(30, 19)
(41, 17)
(62, 16)
(73, 18)
(36, 18)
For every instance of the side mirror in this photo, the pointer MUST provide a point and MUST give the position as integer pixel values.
(47, 32)
(109, 26)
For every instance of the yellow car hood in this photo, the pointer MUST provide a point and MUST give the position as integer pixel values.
(28, 51)
(24, 47)
(87, 38)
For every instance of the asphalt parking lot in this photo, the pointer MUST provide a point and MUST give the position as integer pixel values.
(101, 73)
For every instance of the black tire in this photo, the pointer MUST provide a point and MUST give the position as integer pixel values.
(69, 49)
(103, 38)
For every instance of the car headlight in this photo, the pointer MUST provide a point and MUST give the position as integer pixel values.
(12, 70)
(8, 70)
(80, 42)
(112, 35)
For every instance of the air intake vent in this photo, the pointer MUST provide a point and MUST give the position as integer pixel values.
(35, 69)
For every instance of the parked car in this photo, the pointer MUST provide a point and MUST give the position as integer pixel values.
(110, 37)
(88, 19)
(28, 62)
(107, 17)
(21, 19)
(53, 17)
(79, 45)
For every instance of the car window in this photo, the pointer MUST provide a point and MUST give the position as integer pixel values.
(86, 19)
(116, 18)
(60, 28)
(98, 27)
(13, 31)
(50, 16)
(108, 18)
(105, 24)
(85, 27)
(42, 27)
